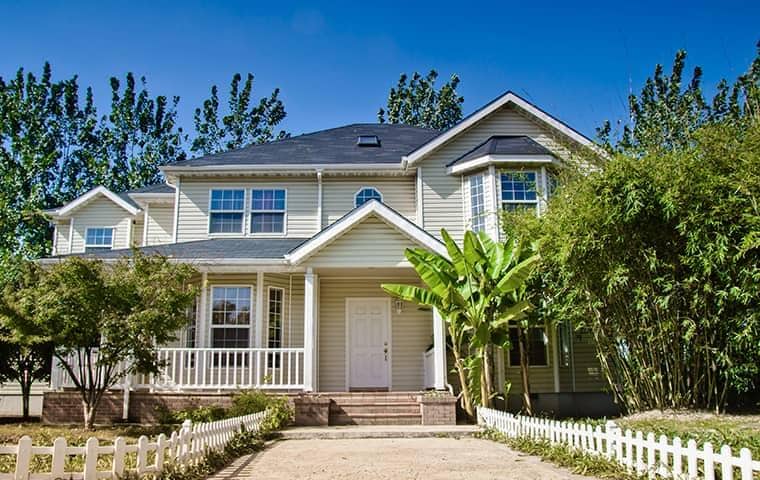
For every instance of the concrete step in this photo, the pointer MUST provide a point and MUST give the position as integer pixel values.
(378, 431)
(376, 419)
(354, 408)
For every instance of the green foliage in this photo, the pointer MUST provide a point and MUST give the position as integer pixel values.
(667, 114)
(659, 256)
(419, 103)
(244, 123)
(25, 359)
(577, 461)
(477, 290)
(54, 146)
(105, 315)
(243, 403)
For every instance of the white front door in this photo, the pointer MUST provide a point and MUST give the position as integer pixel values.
(368, 356)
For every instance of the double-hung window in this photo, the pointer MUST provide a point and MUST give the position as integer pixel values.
(538, 355)
(100, 237)
(231, 317)
(268, 211)
(226, 211)
(519, 191)
(477, 204)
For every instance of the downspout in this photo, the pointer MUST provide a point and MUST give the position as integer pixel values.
(319, 201)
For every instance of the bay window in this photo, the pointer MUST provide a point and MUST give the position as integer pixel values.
(519, 190)
(477, 204)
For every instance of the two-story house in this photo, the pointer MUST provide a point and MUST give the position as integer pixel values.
(293, 239)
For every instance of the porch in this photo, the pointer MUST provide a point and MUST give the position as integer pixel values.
(320, 330)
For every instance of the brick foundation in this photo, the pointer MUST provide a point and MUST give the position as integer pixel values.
(312, 410)
(66, 407)
(438, 409)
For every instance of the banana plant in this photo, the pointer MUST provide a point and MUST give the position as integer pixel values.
(472, 289)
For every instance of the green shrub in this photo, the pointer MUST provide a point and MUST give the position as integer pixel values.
(248, 402)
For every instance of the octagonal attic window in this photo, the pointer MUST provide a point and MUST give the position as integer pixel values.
(365, 195)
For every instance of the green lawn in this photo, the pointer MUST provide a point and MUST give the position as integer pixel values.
(737, 431)
(75, 435)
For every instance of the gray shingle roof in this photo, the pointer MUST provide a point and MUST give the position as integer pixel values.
(221, 248)
(333, 146)
(504, 145)
(157, 188)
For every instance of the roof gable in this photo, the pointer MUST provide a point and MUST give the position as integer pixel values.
(482, 113)
(88, 197)
(348, 222)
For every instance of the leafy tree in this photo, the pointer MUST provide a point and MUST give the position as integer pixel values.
(418, 102)
(25, 359)
(54, 147)
(105, 321)
(473, 291)
(138, 136)
(667, 112)
(244, 123)
(659, 255)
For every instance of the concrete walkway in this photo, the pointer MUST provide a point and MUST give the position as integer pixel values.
(391, 458)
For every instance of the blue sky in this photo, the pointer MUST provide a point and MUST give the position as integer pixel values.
(335, 62)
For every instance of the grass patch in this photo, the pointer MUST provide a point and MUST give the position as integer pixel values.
(574, 460)
(736, 431)
(76, 435)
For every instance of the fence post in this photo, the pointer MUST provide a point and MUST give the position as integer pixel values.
(58, 464)
(745, 463)
(727, 469)
(91, 459)
(119, 451)
(23, 457)
(709, 461)
(142, 454)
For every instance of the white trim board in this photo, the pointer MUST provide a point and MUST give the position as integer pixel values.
(91, 195)
(508, 97)
(342, 226)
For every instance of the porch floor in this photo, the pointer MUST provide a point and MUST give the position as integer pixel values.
(341, 432)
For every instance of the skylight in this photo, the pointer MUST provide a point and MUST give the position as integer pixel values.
(367, 141)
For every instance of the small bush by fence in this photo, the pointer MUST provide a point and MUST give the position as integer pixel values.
(640, 454)
(184, 447)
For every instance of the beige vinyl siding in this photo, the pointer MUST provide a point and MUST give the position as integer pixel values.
(338, 195)
(160, 224)
(442, 193)
(301, 217)
(62, 237)
(371, 243)
(411, 333)
(101, 212)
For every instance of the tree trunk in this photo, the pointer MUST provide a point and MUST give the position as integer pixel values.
(522, 342)
(89, 416)
(26, 391)
(464, 384)
(488, 371)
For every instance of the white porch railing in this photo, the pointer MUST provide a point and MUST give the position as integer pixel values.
(637, 453)
(212, 369)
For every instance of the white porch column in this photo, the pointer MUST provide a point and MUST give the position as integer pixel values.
(310, 330)
(258, 340)
(439, 351)
(202, 325)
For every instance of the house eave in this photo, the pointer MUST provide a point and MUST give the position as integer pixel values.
(501, 160)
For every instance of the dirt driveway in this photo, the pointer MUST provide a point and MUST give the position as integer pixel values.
(398, 458)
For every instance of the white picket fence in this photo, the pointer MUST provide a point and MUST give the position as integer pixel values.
(641, 454)
(184, 447)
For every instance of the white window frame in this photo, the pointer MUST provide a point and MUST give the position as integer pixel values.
(482, 217)
(251, 315)
(367, 187)
(282, 314)
(251, 211)
(87, 234)
(210, 212)
(547, 352)
(535, 202)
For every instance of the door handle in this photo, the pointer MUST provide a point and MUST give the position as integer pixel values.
(385, 351)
